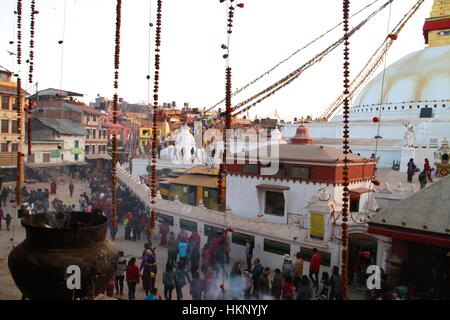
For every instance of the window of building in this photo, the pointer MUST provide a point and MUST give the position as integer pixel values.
(208, 228)
(300, 172)
(15, 147)
(94, 134)
(46, 157)
(274, 203)
(77, 143)
(277, 247)
(5, 103)
(168, 219)
(5, 126)
(93, 149)
(14, 104)
(188, 225)
(251, 169)
(15, 128)
(94, 118)
(354, 202)
(88, 118)
(86, 149)
(4, 147)
(241, 238)
(88, 131)
(75, 157)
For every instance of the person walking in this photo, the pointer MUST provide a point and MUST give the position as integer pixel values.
(113, 228)
(194, 258)
(256, 274)
(428, 170)
(8, 220)
(248, 284)
(206, 258)
(119, 274)
(288, 289)
(196, 287)
(305, 292)
(1, 217)
(264, 284)
(4, 195)
(132, 273)
(298, 271)
(324, 286)
(180, 280)
(164, 231)
(172, 249)
(249, 253)
(53, 187)
(314, 268)
(182, 252)
(148, 274)
(236, 283)
(288, 267)
(423, 179)
(211, 287)
(411, 170)
(277, 284)
(168, 281)
(71, 188)
(336, 284)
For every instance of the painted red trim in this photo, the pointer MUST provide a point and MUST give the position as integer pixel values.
(413, 236)
(435, 25)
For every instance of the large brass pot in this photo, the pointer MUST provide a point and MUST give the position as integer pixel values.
(55, 241)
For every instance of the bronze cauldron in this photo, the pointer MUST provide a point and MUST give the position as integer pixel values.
(56, 241)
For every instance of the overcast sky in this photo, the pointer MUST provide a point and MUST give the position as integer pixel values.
(192, 67)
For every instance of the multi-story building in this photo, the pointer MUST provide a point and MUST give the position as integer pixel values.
(10, 141)
(59, 104)
(57, 142)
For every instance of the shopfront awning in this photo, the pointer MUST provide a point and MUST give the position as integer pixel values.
(405, 234)
(272, 188)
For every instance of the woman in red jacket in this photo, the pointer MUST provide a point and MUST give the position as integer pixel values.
(132, 277)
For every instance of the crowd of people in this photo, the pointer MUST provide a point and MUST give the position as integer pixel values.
(424, 175)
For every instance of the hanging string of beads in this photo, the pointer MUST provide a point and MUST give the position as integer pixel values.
(115, 113)
(221, 183)
(30, 72)
(153, 184)
(346, 147)
(19, 105)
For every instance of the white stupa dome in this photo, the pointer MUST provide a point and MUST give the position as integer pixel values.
(422, 76)
(184, 137)
(275, 134)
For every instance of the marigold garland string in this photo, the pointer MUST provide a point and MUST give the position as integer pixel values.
(153, 183)
(346, 147)
(115, 113)
(19, 105)
(30, 73)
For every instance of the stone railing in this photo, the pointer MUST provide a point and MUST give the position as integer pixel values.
(282, 232)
